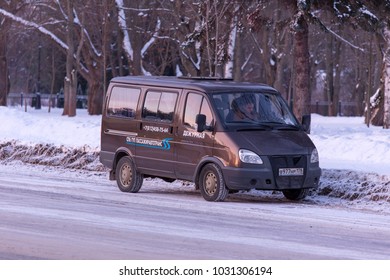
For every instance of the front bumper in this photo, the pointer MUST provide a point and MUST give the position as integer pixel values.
(266, 178)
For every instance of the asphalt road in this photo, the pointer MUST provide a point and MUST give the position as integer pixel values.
(60, 214)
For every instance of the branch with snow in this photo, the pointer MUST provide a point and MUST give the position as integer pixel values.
(122, 23)
(375, 99)
(152, 38)
(326, 29)
(149, 43)
(231, 47)
(85, 32)
(41, 29)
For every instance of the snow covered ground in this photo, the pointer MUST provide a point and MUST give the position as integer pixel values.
(355, 158)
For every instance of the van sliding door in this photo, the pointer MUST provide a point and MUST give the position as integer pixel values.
(154, 146)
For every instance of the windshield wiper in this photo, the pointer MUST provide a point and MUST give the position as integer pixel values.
(283, 126)
(256, 126)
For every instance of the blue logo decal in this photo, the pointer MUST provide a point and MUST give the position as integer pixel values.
(150, 143)
(167, 145)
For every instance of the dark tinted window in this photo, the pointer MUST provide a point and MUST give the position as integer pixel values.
(159, 106)
(123, 102)
(151, 105)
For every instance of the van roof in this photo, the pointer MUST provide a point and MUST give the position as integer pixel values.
(203, 84)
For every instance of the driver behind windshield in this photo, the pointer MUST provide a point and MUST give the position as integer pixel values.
(243, 109)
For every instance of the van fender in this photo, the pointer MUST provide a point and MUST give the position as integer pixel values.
(119, 153)
(202, 163)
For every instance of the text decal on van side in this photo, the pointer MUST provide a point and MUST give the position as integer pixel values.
(194, 134)
(150, 143)
(156, 129)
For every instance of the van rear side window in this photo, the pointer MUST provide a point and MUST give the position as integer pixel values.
(159, 106)
(123, 102)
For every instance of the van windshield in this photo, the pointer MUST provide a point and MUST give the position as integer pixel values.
(254, 109)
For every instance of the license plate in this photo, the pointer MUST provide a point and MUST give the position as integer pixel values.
(290, 171)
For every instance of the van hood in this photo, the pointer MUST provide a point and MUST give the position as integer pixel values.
(275, 142)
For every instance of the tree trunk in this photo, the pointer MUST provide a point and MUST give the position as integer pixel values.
(302, 72)
(386, 74)
(72, 94)
(231, 49)
(238, 57)
(376, 115)
(337, 78)
(187, 46)
(95, 97)
(53, 80)
(70, 84)
(329, 74)
(283, 61)
(4, 80)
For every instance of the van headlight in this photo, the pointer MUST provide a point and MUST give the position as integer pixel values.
(249, 157)
(314, 156)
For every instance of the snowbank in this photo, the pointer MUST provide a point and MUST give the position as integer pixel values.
(40, 127)
(347, 143)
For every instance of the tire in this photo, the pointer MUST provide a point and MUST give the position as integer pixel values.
(295, 194)
(127, 177)
(211, 183)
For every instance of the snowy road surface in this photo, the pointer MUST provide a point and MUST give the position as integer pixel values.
(48, 213)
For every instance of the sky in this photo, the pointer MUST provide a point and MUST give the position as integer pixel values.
(355, 159)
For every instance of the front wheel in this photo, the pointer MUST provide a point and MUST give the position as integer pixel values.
(127, 176)
(295, 194)
(211, 183)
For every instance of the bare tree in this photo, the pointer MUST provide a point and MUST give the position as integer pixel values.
(70, 82)
(302, 97)
(140, 24)
(79, 36)
(262, 41)
(4, 80)
(298, 12)
(5, 25)
(271, 35)
(386, 74)
(372, 16)
(206, 35)
(87, 43)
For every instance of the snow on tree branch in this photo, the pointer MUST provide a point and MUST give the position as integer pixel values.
(152, 39)
(36, 26)
(122, 23)
(79, 23)
(326, 29)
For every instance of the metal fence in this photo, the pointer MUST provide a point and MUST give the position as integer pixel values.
(344, 108)
(43, 99)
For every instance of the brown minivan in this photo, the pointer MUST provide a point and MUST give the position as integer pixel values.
(222, 135)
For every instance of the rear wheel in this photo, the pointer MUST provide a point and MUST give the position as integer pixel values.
(127, 177)
(211, 183)
(295, 194)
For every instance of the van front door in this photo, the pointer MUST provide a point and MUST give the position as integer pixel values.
(191, 145)
(154, 145)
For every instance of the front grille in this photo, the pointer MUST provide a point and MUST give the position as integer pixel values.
(283, 182)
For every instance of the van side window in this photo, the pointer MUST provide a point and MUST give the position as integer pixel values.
(159, 106)
(196, 104)
(123, 102)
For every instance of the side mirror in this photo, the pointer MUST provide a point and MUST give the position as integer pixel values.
(306, 123)
(200, 120)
